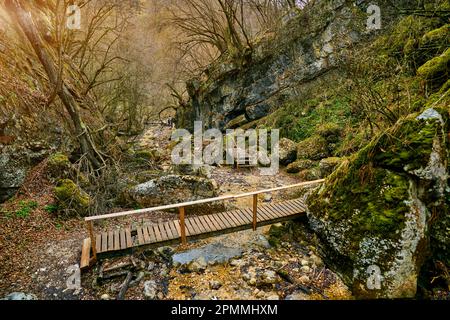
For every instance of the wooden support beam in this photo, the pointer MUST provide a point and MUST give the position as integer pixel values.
(90, 226)
(255, 211)
(183, 226)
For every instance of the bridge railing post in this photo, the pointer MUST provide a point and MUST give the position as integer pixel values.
(90, 226)
(182, 225)
(255, 211)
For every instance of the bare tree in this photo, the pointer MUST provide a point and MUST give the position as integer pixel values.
(25, 21)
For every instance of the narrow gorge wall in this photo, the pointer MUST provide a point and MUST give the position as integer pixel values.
(308, 45)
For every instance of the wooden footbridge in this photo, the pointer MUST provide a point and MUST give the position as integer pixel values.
(123, 240)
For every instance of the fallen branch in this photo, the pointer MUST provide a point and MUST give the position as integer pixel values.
(125, 286)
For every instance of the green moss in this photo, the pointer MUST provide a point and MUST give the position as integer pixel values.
(371, 188)
(300, 165)
(51, 208)
(71, 196)
(405, 35)
(59, 159)
(58, 166)
(407, 145)
(330, 131)
(314, 148)
(310, 174)
(146, 156)
(436, 69)
(437, 37)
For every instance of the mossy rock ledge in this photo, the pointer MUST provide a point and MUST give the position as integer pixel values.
(383, 209)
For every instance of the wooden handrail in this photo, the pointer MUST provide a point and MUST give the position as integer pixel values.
(181, 208)
(202, 201)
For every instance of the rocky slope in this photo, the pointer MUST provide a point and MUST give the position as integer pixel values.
(309, 44)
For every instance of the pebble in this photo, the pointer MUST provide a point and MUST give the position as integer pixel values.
(150, 289)
(298, 296)
(236, 262)
(273, 297)
(214, 285)
(105, 297)
(304, 279)
(270, 277)
(306, 269)
(20, 296)
(164, 272)
(267, 197)
(304, 262)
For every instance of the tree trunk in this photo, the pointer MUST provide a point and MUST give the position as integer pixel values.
(26, 24)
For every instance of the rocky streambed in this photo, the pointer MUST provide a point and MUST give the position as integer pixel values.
(272, 263)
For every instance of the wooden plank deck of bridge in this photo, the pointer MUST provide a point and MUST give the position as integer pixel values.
(160, 234)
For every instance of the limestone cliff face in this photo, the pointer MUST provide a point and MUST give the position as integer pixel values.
(386, 209)
(308, 45)
(302, 50)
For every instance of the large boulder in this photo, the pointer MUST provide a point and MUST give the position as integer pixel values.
(172, 189)
(12, 174)
(198, 259)
(288, 151)
(300, 165)
(15, 163)
(380, 215)
(313, 148)
(59, 166)
(328, 165)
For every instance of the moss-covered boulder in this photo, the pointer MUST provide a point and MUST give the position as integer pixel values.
(300, 165)
(288, 151)
(436, 70)
(376, 214)
(328, 165)
(330, 131)
(437, 38)
(313, 148)
(310, 174)
(71, 198)
(59, 166)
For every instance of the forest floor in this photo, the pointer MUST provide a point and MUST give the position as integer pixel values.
(39, 252)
